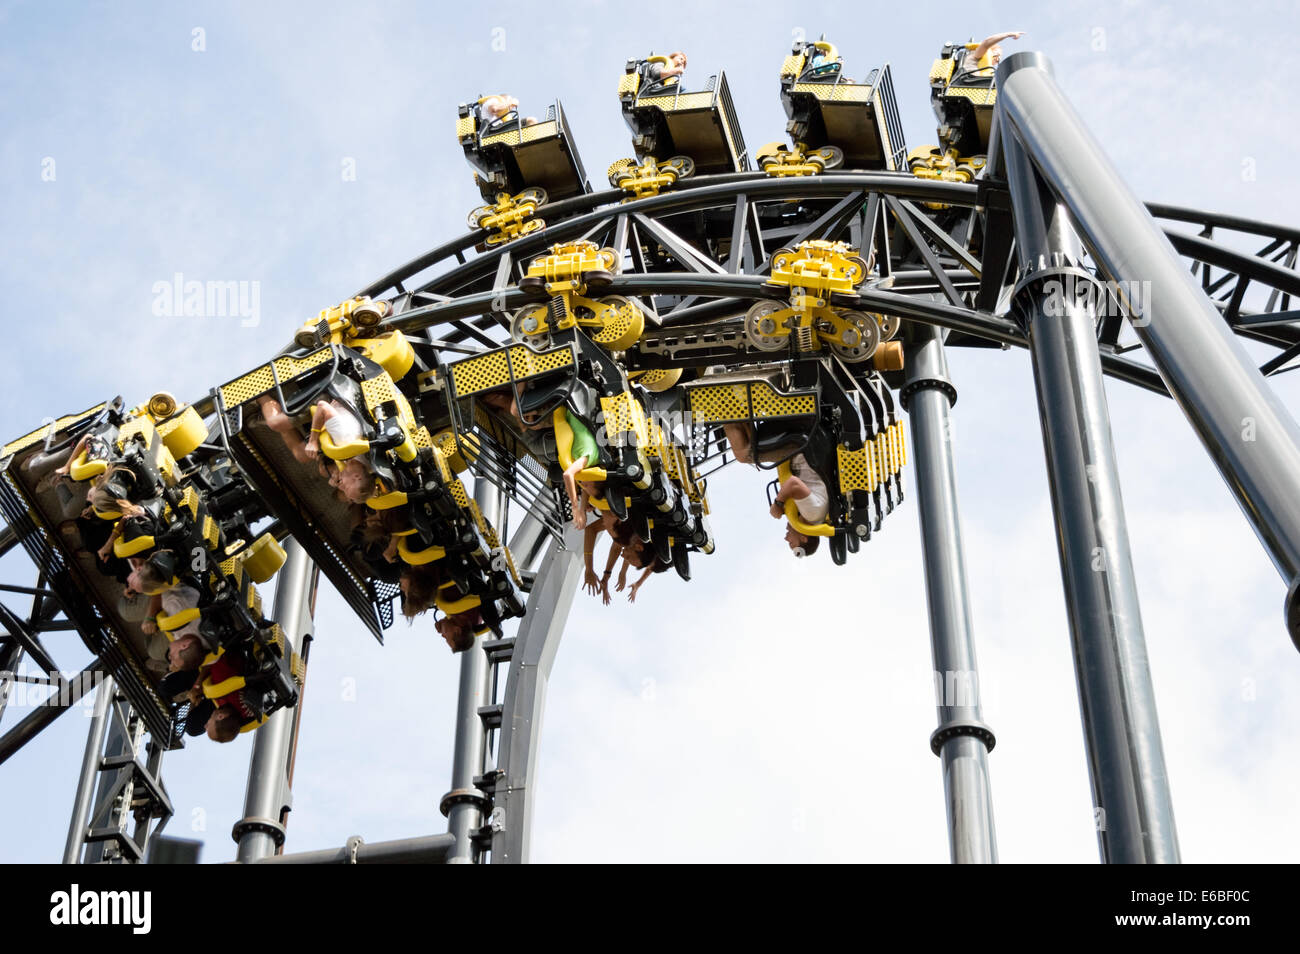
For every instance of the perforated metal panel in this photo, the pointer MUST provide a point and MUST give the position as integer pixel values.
(857, 469)
(257, 382)
(835, 92)
(979, 95)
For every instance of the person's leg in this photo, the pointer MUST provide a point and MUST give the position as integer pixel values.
(76, 452)
(571, 488)
(283, 425)
(741, 439)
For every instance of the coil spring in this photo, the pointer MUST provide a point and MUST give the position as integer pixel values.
(803, 337)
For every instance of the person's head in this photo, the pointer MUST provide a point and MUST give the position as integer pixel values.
(621, 532)
(355, 481)
(678, 59)
(223, 725)
(458, 630)
(150, 576)
(636, 554)
(800, 544)
(419, 585)
(185, 654)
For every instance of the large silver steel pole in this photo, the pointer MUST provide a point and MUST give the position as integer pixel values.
(1249, 434)
(1055, 299)
(962, 741)
(268, 798)
(464, 802)
(524, 701)
(90, 763)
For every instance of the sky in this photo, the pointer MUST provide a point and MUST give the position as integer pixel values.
(771, 709)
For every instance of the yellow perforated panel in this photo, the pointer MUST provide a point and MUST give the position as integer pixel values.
(942, 69)
(539, 131)
(980, 96)
(480, 373)
(27, 440)
(464, 126)
(527, 363)
(768, 403)
(835, 92)
(458, 493)
(792, 64)
(624, 415)
(856, 467)
(211, 533)
(258, 382)
(716, 403)
(378, 390)
(190, 500)
(628, 82)
(685, 101)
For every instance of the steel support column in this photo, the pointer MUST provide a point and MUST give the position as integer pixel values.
(1248, 432)
(1056, 301)
(465, 802)
(90, 762)
(962, 741)
(268, 797)
(536, 644)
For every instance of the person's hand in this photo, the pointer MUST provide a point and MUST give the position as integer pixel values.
(604, 591)
(579, 519)
(195, 694)
(776, 510)
(312, 449)
(631, 593)
(105, 551)
(622, 582)
(591, 582)
(148, 627)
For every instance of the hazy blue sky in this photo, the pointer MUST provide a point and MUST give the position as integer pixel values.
(771, 709)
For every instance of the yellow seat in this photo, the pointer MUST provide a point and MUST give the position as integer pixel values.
(254, 724)
(419, 557)
(124, 548)
(784, 473)
(84, 469)
(452, 607)
(223, 688)
(169, 624)
(342, 451)
(564, 447)
(394, 498)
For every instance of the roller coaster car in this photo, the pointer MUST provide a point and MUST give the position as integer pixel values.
(641, 479)
(447, 528)
(817, 417)
(46, 518)
(963, 101)
(509, 156)
(391, 445)
(668, 122)
(827, 110)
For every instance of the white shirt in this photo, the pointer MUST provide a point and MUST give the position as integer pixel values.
(343, 426)
(175, 600)
(814, 507)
